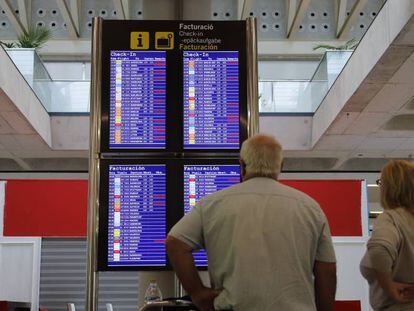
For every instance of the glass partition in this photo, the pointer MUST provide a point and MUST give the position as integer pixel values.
(275, 96)
(59, 96)
(290, 96)
(298, 96)
(56, 96)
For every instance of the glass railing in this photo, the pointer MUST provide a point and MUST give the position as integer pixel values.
(59, 96)
(290, 96)
(331, 65)
(283, 96)
(56, 96)
(298, 96)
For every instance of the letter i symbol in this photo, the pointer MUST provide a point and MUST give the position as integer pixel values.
(139, 41)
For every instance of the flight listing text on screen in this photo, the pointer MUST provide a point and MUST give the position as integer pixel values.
(137, 114)
(137, 215)
(211, 100)
(202, 180)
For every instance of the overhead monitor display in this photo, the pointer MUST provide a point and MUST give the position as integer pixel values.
(202, 180)
(136, 215)
(137, 114)
(211, 100)
(172, 87)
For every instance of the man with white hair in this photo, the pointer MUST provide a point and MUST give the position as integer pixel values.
(268, 245)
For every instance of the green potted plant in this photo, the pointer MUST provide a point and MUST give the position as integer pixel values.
(23, 53)
(33, 38)
(335, 59)
(8, 45)
(347, 46)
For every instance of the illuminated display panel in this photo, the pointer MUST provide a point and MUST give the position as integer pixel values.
(211, 100)
(202, 180)
(136, 215)
(137, 113)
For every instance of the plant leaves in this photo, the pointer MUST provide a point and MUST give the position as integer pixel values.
(8, 45)
(34, 37)
(349, 45)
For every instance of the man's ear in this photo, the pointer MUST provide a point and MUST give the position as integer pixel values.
(242, 168)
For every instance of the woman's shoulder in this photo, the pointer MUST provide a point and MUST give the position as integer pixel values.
(399, 218)
(387, 216)
(397, 215)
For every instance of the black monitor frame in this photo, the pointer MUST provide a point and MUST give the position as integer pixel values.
(171, 199)
(116, 37)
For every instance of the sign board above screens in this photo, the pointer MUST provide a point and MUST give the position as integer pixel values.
(173, 86)
(140, 201)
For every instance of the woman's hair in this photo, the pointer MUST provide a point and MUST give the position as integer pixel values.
(397, 184)
(262, 155)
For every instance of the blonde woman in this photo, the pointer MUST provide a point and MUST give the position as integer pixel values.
(388, 264)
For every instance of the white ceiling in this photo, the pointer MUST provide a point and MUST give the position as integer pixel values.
(359, 138)
(292, 21)
(378, 123)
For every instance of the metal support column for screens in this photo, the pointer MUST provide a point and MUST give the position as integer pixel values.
(93, 212)
(252, 78)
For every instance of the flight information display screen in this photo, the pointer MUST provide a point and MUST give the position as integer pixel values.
(137, 113)
(202, 180)
(211, 100)
(137, 215)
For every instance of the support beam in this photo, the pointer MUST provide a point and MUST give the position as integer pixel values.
(119, 9)
(179, 9)
(297, 20)
(25, 8)
(358, 7)
(291, 6)
(18, 26)
(75, 12)
(340, 11)
(21, 162)
(122, 8)
(126, 6)
(67, 17)
(243, 8)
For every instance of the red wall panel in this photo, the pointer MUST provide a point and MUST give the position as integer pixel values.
(339, 199)
(347, 306)
(46, 208)
(59, 207)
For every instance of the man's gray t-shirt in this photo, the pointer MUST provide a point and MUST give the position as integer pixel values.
(262, 239)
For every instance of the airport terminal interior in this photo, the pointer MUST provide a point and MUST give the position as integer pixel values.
(334, 85)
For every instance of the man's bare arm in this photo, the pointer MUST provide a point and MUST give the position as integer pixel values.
(181, 258)
(325, 285)
(399, 292)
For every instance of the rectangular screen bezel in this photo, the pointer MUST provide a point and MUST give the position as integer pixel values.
(116, 36)
(241, 113)
(201, 161)
(174, 201)
(138, 149)
(171, 199)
